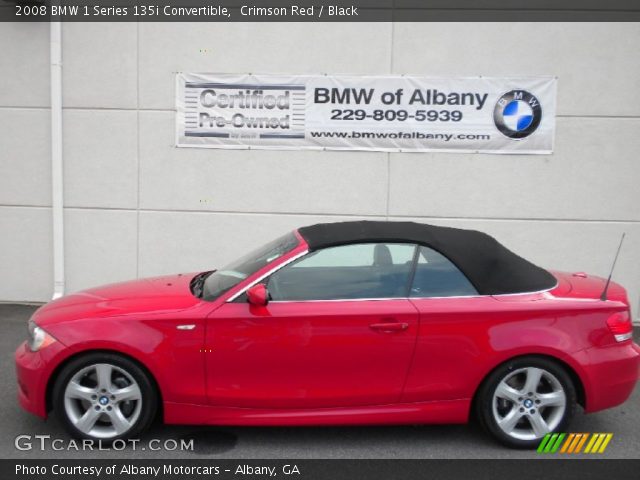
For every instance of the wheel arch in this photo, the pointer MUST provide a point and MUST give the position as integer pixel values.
(56, 372)
(575, 378)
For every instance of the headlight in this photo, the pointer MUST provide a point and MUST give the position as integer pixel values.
(38, 338)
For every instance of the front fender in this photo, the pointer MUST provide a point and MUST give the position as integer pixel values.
(174, 358)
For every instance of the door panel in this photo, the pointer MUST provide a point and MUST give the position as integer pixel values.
(453, 347)
(309, 354)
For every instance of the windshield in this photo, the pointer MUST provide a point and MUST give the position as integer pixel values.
(228, 277)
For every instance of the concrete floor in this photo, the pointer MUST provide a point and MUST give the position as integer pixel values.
(456, 441)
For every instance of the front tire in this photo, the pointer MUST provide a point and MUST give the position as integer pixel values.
(524, 399)
(104, 396)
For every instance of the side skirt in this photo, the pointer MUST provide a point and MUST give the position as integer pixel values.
(451, 411)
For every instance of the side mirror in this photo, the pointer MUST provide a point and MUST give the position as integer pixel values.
(258, 295)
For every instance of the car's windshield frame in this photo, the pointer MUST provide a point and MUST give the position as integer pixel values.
(221, 281)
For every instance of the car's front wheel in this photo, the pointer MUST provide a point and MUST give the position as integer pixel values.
(104, 396)
(524, 399)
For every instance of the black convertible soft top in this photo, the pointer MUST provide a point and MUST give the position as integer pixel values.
(490, 267)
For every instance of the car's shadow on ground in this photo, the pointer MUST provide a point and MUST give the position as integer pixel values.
(316, 440)
(308, 442)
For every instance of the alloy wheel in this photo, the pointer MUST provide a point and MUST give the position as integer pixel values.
(528, 403)
(102, 400)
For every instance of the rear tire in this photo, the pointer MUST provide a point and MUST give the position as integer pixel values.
(104, 396)
(524, 399)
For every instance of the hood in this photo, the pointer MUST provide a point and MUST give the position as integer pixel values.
(147, 295)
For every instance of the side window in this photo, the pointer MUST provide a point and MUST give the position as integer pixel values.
(436, 276)
(367, 270)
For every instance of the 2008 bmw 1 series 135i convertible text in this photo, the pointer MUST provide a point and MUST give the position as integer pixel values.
(337, 324)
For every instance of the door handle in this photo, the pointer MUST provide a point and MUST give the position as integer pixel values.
(389, 326)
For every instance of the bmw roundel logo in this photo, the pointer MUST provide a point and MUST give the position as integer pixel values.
(517, 114)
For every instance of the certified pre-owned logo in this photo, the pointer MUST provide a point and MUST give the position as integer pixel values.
(517, 114)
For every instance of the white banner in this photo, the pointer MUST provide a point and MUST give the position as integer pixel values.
(374, 113)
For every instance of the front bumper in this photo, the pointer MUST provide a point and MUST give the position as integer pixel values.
(33, 370)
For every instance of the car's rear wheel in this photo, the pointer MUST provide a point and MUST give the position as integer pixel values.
(103, 396)
(524, 399)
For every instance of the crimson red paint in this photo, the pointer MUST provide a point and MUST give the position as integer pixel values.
(401, 360)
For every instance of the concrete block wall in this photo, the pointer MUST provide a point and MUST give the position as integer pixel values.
(137, 206)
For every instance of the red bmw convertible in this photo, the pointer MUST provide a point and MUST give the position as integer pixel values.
(337, 324)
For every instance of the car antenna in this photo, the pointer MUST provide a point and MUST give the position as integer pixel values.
(603, 297)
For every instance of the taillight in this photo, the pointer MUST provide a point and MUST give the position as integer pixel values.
(620, 325)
